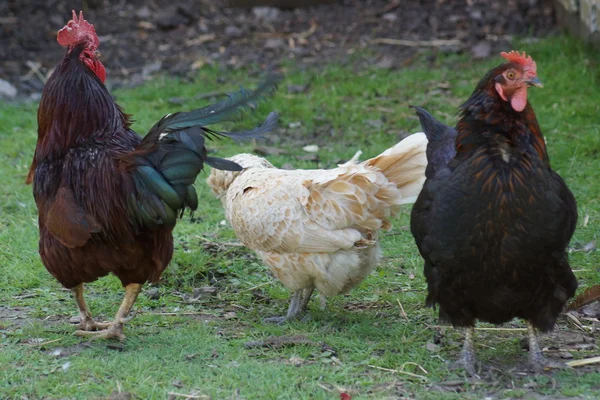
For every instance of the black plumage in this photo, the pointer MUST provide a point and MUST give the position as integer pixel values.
(493, 220)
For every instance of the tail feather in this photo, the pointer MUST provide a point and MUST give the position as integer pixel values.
(404, 164)
(442, 141)
(165, 165)
(230, 109)
(256, 133)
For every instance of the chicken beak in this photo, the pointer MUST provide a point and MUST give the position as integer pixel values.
(535, 82)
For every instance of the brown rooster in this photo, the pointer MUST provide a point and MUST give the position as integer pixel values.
(107, 199)
(493, 220)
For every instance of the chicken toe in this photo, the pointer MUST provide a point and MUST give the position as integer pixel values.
(114, 330)
(86, 322)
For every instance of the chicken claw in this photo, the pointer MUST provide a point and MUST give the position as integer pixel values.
(114, 331)
(88, 324)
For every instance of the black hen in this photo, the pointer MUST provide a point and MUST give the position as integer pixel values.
(493, 220)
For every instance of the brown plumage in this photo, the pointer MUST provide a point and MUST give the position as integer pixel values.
(494, 222)
(108, 199)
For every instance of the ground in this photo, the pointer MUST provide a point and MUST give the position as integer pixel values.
(199, 333)
(140, 38)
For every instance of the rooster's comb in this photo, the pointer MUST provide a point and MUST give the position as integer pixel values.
(523, 59)
(76, 31)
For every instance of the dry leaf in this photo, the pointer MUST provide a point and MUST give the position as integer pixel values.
(588, 296)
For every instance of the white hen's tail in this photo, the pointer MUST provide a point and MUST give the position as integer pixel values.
(404, 164)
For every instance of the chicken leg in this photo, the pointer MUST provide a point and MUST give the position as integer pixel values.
(536, 358)
(115, 328)
(86, 322)
(298, 304)
(467, 355)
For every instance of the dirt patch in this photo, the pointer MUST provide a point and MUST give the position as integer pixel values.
(11, 317)
(140, 38)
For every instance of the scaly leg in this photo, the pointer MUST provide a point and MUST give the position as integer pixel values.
(115, 329)
(298, 305)
(536, 358)
(86, 322)
(467, 354)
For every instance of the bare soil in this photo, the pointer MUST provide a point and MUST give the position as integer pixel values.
(140, 38)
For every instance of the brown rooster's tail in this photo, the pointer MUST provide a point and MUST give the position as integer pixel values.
(404, 164)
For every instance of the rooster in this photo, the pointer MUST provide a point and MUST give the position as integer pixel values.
(493, 220)
(319, 228)
(107, 199)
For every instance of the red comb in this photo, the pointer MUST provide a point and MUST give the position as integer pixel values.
(523, 59)
(76, 31)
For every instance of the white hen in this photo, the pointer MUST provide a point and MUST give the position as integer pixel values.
(319, 228)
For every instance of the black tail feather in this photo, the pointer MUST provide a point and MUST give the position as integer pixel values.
(441, 146)
(168, 160)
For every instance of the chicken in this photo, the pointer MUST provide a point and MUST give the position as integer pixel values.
(493, 220)
(107, 199)
(319, 228)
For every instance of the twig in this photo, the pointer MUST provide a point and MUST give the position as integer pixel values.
(224, 244)
(188, 396)
(278, 35)
(43, 343)
(35, 68)
(178, 314)
(324, 387)
(417, 43)
(240, 307)
(25, 296)
(201, 39)
(575, 321)
(415, 364)
(585, 361)
(402, 310)
(420, 377)
(256, 287)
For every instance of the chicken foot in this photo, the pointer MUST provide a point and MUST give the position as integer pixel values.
(536, 358)
(298, 305)
(115, 328)
(467, 357)
(86, 322)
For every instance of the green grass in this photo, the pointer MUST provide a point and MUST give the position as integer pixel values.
(201, 348)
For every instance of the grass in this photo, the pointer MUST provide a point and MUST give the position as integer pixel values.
(199, 347)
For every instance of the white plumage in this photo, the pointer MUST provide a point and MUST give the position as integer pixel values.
(319, 228)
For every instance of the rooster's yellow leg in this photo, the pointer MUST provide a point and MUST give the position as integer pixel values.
(86, 322)
(115, 328)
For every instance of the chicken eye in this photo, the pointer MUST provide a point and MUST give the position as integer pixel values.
(510, 75)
